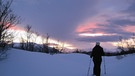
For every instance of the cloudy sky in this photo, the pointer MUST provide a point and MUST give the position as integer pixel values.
(79, 22)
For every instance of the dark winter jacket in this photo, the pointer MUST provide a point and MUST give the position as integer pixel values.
(97, 53)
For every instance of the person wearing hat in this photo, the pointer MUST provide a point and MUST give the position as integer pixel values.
(96, 54)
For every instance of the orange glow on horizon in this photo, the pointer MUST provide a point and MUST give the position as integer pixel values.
(16, 28)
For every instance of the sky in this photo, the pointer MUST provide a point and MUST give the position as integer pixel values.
(79, 22)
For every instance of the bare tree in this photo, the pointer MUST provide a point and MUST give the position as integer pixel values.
(127, 45)
(45, 43)
(7, 20)
(28, 35)
(62, 47)
(23, 43)
(121, 43)
(33, 39)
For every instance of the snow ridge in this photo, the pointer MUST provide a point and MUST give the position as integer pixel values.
(25, 63)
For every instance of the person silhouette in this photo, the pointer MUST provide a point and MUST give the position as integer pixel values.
(96, 54)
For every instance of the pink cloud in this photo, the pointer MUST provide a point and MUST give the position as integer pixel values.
(86, 27)
(129, 29)
(89, 27)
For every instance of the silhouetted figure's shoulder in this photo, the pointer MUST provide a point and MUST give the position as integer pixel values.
(97, 51)
(97, 47)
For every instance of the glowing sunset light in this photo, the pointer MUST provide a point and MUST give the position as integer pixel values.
(15, 27)
(124, 43)
(19, 33)
(61, 44)
(95, 34)
(89, 34)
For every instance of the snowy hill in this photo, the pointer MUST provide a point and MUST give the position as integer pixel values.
(24, 63)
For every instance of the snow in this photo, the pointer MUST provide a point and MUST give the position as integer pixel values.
(25, 63)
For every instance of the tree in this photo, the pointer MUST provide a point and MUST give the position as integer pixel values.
(45, 43)
(7, 20)
(28, 36)
(33, 40)
(22, 43)
(127, 46)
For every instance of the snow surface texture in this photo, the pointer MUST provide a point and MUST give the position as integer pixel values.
(24, 63)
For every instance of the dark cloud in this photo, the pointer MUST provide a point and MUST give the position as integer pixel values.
(131, 9)
(114, 26)
(106, 38)
(56, 17)
(99, 38)
(121, 21)
(59, 18)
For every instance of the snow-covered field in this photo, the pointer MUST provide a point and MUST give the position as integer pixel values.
(24, 63)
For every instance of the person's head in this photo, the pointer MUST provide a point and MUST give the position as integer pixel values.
(97, 43)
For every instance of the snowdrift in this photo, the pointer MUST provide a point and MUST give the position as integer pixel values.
(24, 63)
